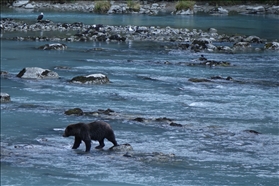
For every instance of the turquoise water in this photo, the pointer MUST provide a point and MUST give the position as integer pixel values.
(210, 149)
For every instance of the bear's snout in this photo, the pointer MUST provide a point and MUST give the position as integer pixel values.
(64, 135)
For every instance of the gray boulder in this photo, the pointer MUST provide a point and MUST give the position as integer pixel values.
(37, 73)
(91, 79)
(5, 97)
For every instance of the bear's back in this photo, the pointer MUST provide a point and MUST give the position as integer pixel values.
(99, 129)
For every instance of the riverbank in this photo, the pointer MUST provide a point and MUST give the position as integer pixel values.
(179, 38)
(196, 40)
(148, 8)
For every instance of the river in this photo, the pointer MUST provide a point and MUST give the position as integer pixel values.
(212, 147)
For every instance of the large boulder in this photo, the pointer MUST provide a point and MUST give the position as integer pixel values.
(37, 73)
(91, 79)
(5, 97)
(53, 46)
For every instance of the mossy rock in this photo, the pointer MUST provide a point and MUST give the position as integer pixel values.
(75, 111)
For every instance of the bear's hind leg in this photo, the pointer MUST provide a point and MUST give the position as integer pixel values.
(101, 144)
(111, 138)
(76, 143)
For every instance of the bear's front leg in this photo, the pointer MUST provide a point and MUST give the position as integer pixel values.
(88, 145)
(77, 142)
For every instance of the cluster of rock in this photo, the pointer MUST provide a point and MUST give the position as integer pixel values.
(38, 73)
(26, 4)
(115, 8)
(111, 114)
(161, 121)
(184, 38)
(123, 8)
(241, 9)
(147, 8)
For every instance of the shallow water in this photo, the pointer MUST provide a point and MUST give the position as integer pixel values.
(211, 148)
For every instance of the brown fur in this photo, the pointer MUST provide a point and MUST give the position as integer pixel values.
(97, 131)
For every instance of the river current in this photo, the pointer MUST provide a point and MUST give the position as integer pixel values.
(213, 146)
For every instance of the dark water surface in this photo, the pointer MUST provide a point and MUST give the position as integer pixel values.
(211, 148)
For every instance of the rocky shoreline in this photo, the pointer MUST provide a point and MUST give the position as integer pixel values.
(180, 38)
(118, 7)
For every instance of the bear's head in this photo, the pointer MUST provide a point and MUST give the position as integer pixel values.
(75, 130)
(69, 131)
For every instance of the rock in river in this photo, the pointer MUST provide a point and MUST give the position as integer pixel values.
(91, 79)
(37, 73)
(53, 46)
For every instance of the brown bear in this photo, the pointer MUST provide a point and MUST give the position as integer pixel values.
(97, 131)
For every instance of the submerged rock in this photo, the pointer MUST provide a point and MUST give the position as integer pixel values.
(5, 98)
(155, 157)
(198, 80)
(37, 73)
(91, 79)
(252, 132)
(175, 124)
